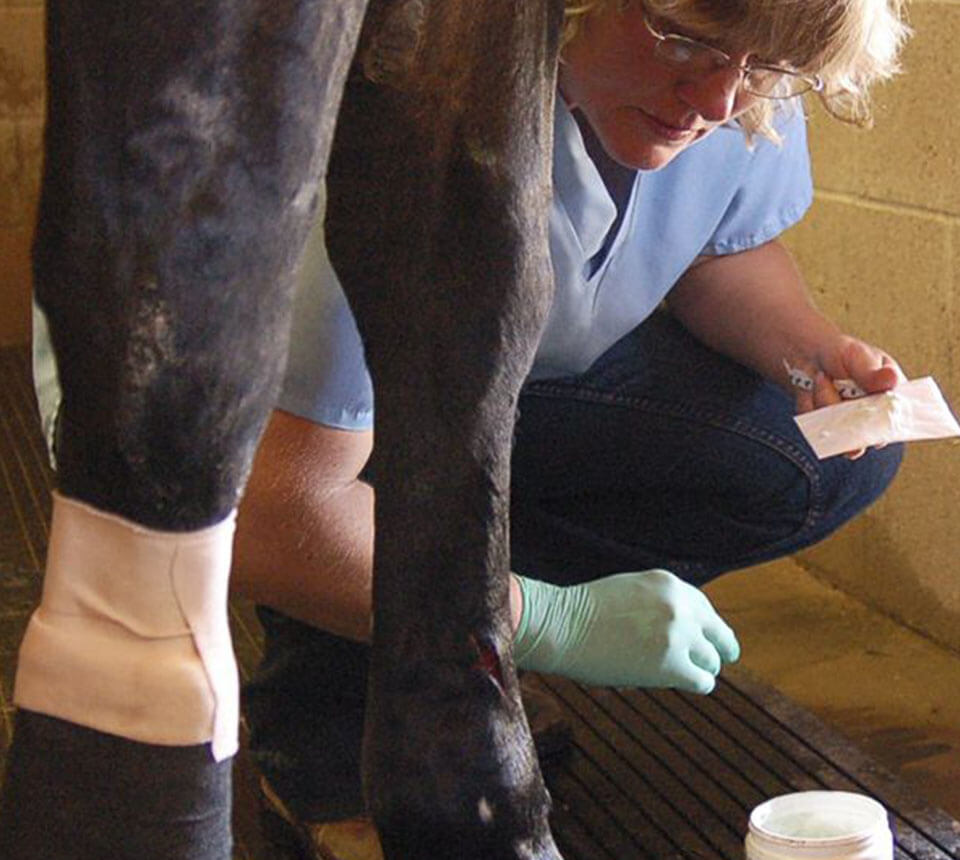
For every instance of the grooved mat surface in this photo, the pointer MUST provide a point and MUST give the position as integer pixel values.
(651, 774)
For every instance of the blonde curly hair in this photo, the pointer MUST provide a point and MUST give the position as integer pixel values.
(850, 44)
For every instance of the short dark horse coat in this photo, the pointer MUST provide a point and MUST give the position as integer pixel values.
(185, 144)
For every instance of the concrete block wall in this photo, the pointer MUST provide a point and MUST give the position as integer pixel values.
(881, 250)
(21, 121)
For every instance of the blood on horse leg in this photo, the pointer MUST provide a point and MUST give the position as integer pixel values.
(438, 196)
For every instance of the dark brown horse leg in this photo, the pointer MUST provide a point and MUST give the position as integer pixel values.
(183, 148)
(439, 187)
(184, 144)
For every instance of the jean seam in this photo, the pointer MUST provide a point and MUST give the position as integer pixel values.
(708, 417)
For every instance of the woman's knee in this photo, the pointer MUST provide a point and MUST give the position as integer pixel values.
(851, 486)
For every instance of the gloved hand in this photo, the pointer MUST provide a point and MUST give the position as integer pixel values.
(648, 629)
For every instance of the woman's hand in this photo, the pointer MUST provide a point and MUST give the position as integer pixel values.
(845, 360)
(645, 629)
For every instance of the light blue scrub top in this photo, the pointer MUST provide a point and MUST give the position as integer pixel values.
(717, 197)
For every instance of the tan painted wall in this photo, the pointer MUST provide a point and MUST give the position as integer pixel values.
(881, 250)
(21, 110)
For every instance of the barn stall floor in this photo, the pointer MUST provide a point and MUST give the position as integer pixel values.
(649, 774)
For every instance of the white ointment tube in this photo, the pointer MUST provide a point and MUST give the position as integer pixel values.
(131, 636)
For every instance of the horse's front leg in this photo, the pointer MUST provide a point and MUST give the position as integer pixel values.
(439, 190)
(184, 144)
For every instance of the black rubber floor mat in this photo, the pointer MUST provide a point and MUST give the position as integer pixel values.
(650, 774)
(660, 774)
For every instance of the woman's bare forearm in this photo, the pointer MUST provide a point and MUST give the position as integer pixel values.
(304, 542)
(753, 307)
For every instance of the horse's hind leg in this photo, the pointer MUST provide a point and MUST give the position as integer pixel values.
(439, 188)
(184, 142)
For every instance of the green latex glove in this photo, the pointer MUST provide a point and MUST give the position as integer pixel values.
(648, 629)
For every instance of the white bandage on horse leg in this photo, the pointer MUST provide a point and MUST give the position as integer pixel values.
(131, 636)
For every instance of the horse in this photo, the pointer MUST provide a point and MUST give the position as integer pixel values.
(185, 146)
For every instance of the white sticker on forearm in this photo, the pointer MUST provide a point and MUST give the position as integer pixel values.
(912, 411)
(131, 636)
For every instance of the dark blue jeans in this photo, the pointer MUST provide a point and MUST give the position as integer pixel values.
(663, 454)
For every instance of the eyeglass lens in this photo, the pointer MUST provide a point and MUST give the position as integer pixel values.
(762, 81)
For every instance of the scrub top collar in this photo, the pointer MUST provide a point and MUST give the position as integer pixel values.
(578, 184)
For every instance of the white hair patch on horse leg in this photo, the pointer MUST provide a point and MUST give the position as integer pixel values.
(131, 636)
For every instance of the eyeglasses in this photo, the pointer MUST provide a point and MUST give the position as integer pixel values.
(757, 79)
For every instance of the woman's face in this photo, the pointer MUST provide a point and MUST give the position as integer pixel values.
(642, 111)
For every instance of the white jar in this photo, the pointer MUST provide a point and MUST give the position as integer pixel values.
(819, 825)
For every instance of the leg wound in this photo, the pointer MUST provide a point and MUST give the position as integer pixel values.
(488, 660)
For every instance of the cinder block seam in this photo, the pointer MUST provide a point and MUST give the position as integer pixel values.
(888, 207)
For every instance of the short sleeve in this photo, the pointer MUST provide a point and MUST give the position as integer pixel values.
(775, 193)
(326, 379)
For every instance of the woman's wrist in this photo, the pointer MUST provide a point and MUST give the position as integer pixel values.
(516, 603)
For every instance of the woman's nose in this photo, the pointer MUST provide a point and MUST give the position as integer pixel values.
(713, 95)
